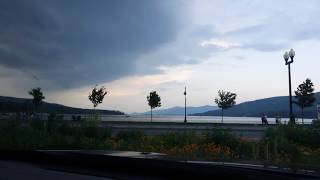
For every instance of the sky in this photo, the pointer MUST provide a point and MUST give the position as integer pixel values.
(134, 47)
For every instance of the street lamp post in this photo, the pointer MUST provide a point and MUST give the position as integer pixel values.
(185, 104)
(286, 57)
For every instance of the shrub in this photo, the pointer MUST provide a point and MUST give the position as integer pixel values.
(283, 141)
(130, 135)
(179, 139)
(306, 136)
(37, 124)
(222, 137)
(246, 149)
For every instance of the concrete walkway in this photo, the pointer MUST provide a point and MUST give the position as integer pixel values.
(241, 130)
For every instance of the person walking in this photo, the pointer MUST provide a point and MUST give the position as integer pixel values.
(264, 119)
(278, 119)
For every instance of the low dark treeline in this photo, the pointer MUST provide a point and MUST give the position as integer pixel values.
(10, 104)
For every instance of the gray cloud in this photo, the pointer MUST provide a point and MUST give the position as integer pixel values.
(277, 32)
(77, 42)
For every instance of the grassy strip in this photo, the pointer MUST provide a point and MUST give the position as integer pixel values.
(282, 145)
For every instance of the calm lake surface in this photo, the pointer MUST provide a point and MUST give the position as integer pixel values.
(193, 119)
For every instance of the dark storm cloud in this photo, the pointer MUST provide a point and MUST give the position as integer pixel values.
(78, 42)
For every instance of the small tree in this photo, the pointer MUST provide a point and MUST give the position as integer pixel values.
(97, 95)
(37, 96)
(305, 96)
(225, 101)
(154, 101)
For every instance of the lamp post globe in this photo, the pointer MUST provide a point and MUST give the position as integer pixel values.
(292, 54)
(286, 57)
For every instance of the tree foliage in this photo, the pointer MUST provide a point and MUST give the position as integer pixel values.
(154, 101)
(304, 95)
(225, 100)
(97, 95)
(37, 96)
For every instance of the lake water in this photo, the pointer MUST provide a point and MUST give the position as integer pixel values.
(193, 119)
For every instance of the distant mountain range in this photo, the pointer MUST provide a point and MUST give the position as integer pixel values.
(180, 110)
(271, 106)
(12, 104)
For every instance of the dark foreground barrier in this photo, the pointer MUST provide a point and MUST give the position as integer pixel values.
(144, 166)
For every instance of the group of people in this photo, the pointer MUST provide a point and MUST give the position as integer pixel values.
(265, 120)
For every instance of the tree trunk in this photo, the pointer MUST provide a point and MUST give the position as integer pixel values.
(34, 111)
(302, 114)
(94, 113)
(151, 114)
(222, 117)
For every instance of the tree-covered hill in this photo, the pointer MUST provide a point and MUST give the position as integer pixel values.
(12, 104)
(271, 106)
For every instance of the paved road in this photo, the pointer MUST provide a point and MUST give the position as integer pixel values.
(247, 131)
(19, 170)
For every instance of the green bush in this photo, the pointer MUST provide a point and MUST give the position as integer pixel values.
(130, 135)
(222, 137)
(287, 142)
(172, 139)
(246, 150)
(281, 144)
(303, 135)
(37, 124)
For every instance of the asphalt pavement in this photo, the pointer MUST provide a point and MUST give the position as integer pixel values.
(253, 131)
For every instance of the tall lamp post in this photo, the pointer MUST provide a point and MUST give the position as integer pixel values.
(185, 104)
(286, 57)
